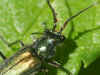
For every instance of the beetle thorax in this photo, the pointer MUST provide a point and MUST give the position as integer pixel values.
(45, 48)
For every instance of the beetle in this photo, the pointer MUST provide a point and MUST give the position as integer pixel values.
(41, 51)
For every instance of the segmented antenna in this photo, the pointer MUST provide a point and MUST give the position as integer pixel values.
(72, 17)
(54, 15)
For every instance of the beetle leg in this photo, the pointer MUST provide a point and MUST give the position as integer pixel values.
(58, 65)
(2, 55)
(10, 44)
(15, 42)
(34, 33)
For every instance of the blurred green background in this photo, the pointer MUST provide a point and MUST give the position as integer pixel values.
(93, 69)
(18, 19)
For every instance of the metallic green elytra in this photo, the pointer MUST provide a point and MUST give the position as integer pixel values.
(29, 59)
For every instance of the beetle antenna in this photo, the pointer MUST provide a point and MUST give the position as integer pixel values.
(72, 17)
(54, 15)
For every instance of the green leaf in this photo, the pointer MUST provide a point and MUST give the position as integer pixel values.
(18, 19)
